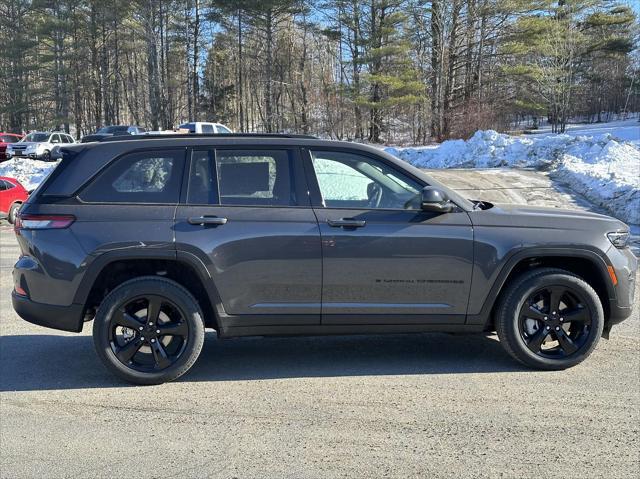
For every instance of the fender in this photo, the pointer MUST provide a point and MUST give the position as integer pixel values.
(95, 267)
(595, 256)
(102, 261)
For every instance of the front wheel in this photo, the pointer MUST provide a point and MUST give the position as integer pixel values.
(149, 330)
(549, 319)
(46, 155)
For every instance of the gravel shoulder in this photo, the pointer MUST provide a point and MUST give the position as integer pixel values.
(431, 405)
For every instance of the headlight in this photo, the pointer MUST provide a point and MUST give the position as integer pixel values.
(619, 239)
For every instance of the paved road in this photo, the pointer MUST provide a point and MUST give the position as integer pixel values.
(372, 406)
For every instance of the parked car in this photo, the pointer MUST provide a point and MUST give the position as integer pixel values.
(205, 127)
(116, 130)
(12, 196)
(5, 140)
(38, 145)
(156, 239)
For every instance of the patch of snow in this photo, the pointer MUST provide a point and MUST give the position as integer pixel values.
(625, 130)
(602, 167)
(30, 173)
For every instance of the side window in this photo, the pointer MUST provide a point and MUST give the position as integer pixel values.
(67, 139)
(203, 187)
(3, 185)
(349, 180)
(55, 138)
(207, 128)
(189, 126)
(222, 129)
(144, 177)
(255, 177)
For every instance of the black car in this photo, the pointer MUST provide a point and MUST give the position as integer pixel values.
(115, 130)
(157, 238)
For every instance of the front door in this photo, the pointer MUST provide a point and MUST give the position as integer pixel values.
(248, 218)
(385, 261)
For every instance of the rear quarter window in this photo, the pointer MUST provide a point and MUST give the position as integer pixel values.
(142, 177)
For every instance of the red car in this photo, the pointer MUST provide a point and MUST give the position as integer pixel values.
(12, 195)
(5, 139)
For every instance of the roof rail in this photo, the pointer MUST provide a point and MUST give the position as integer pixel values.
(201, 135)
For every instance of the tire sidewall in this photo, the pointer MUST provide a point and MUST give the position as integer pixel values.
(521, 295)
(158, 287)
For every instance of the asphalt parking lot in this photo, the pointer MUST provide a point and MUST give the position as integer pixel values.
(431, 405)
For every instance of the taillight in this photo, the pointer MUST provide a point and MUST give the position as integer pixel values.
(43, 222)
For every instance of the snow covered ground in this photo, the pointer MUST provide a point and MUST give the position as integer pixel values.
(28, 172)
(601, 162)
(626, 130)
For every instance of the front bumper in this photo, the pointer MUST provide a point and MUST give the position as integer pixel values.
(65, 318)
(31, 156)
(625, 265)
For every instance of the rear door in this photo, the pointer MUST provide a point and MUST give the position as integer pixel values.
(246, 214)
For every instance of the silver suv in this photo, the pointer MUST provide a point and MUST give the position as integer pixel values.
(38, 145)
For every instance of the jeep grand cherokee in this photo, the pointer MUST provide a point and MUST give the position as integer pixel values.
(156, 239)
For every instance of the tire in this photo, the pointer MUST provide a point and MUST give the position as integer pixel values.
(526, 316)
(160, 364)
(13, 211)
(46, 155)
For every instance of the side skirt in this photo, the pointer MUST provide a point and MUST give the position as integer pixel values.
(322, 330)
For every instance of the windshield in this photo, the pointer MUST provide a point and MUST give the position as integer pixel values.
(113, 129)
(36, 137)
(9, 138)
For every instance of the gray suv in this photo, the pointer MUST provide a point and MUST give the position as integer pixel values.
(157, 238)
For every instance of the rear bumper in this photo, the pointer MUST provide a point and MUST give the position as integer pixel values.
(65, 318)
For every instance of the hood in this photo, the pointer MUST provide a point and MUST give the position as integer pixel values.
(522, 216)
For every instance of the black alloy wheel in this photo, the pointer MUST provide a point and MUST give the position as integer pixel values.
(548, 318)
(148, 333)
(149, 330)
(555, 322)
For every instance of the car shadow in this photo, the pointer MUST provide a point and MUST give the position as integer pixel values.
(51, 362)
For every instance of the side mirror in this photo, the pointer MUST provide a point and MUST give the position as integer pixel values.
(435, 200)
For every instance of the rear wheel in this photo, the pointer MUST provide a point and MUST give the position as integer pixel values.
(549, 319)
(13, 211)
(149, 330)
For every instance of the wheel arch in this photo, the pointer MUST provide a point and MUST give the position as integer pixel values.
(111, 269)
(588, 264)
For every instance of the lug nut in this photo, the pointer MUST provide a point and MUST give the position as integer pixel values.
(557, 328)
(142, 338)
(561, 319)
(140, 328)
(150, 324)
(157, 331)
(548, 328)
(153, 340)
(546, 318)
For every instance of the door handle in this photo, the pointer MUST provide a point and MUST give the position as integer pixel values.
(346, 223)
(207, 220)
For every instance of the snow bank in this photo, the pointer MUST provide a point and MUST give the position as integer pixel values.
(28, 172)
(602, 168)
